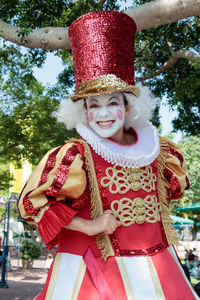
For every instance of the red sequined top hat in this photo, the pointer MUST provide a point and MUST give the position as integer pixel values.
(103, 53)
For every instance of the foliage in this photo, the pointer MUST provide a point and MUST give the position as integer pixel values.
(27, 128)
(180, 84)
(190, 148)
(5, 178)
(30, 250)
(36, 14)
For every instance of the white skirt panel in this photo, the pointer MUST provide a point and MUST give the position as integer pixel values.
(139, 276)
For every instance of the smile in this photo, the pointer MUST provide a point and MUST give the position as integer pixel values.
(105, 124)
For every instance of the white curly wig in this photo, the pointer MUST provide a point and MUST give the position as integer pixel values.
(141, 109)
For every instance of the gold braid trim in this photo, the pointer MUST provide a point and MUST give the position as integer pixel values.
(102, 239)
(167, 221)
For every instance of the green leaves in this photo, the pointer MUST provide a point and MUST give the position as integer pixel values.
(190, 146)
(27, 128)
(23, 32)
(30, 250)
(181, 82)
(5, 178)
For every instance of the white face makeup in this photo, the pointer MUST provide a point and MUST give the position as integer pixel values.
(106, 114)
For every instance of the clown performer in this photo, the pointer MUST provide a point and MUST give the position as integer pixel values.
(103, 199)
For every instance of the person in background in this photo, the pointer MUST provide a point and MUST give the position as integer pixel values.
(191, 259)
(49, 261)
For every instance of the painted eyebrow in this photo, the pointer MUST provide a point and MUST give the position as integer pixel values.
(113, 97)
(93, 99)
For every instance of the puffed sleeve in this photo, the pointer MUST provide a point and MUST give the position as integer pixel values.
(174, 171)
(58, 176)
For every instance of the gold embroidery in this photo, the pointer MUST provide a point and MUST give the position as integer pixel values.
(102, 239)
(121, 180)
(138, 211)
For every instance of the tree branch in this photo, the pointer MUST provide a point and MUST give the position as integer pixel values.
(148, 15)
(50, 38)
(160, 12)
(176, 55)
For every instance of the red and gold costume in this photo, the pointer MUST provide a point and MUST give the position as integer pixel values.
(75, 180)
(91, 175)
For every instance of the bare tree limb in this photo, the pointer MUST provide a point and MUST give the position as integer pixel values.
(176, 55)
(159, 12)
(50, 38)
(148, 15)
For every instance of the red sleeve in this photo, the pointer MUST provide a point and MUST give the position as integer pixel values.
(54, 218)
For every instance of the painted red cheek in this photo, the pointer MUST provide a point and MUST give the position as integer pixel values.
(91, 116)
(120, 114)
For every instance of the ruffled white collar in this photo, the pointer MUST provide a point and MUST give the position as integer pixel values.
(140, 154)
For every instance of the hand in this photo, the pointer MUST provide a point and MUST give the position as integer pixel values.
(105, 223)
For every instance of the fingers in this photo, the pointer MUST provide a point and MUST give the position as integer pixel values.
(119, 223)
(112, 219)
(110, 223)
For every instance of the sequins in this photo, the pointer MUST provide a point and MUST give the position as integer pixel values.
(105, 84)
(62, 171)
(102, 43)
(78, 204)
(28, 206)
(59, 179)
(149, 251)
(176, 154)
(49, 166)
(175, 187)
(187, 183)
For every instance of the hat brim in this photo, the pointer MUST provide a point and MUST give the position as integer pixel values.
(105, 84)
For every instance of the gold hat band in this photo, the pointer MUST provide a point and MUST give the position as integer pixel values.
(105, 84)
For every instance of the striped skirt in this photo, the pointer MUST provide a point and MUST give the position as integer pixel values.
(158, 277)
